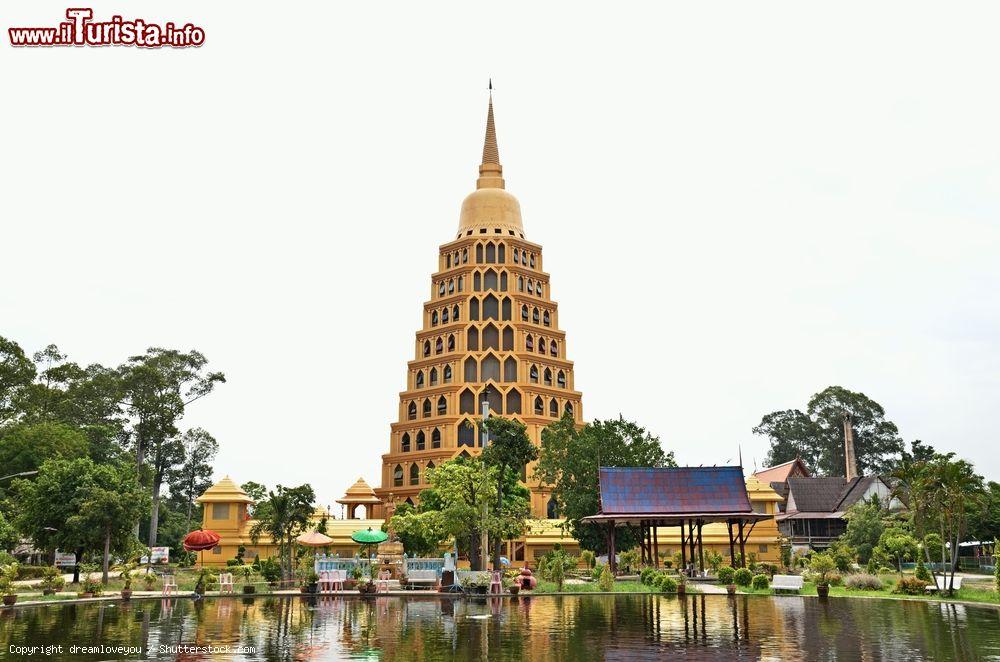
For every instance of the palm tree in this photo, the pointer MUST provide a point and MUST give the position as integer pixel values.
(285, 513)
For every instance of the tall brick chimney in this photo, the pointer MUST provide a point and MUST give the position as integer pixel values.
(851, 463)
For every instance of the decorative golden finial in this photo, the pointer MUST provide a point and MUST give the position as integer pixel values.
(490, 171)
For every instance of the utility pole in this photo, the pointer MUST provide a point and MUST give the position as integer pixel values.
(484, 542)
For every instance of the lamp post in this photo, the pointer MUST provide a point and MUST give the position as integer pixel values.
(18, 475)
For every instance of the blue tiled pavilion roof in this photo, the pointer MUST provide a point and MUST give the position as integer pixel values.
(675, 490)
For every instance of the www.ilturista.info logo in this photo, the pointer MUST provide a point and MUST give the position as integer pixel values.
(80, 30)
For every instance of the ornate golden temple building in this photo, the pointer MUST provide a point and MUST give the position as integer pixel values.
(490, 337)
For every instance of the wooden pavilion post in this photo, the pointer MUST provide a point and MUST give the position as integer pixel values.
(683, 549)
(645, 542)
(743, 550)
(691, 540)
(701, 549)
(656, 548)
(732, 549)
(612, 562)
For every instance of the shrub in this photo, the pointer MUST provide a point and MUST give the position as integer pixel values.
(646, 575)
(726, 574)
(768, 569)
(595, 574)
(872, 566)
(53, 579)
(606, 582)
(823, 566)
(149, 579)
(668, 584)
(588, 558)
(715, 561)
(270, 569)
(629, 560)
(743, 577)
(759, 582)
(835, 579)
(863, 581)
(910, 586)
(557, 573)
(921, 572)
(30, 572)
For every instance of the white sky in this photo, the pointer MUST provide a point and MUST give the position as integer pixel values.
(739, 204)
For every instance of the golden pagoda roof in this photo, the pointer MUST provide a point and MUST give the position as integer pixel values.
(490, 206)
(225, 491)
(359, 492)
(758, 490)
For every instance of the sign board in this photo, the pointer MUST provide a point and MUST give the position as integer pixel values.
(159, 554)
(64, 560)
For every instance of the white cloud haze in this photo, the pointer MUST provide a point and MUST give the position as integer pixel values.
(740, 204)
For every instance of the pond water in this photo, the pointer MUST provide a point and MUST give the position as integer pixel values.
(623, 627)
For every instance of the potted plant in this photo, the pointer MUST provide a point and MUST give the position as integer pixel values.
(681, 585)
(149, 581)
(127, 571)
(822, 566)
(248, 574)
(7, 575)
(205, 579)
(309, 582)
(355, 579)
(52, 581)
(89, 584)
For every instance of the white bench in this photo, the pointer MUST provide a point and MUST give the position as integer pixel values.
(429, 577)
(941, 584)
(786, 583)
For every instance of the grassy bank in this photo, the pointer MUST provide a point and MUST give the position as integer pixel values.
(970, 592)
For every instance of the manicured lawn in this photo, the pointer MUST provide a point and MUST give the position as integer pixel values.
(592, 587)
(977, 592)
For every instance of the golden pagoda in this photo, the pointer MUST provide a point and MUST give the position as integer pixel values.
(361, 494)
(490, 337)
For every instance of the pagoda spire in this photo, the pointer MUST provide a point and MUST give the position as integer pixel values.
(490, 171)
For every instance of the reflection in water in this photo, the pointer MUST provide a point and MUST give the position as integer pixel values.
(526, 628)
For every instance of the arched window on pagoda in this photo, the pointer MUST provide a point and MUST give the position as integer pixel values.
(435, 442)
(447, 374)
(554, 348)
(433, 377)
(510, 369)
(427, 348)
(513, 401)
(404, 443)
(421, 441)
(561, 379)
(442, 406)
(548, 376)
(411, 411)
(552, 509)
(533, 374)
(553, 408)
(539, 406)
(414, 474)
(491, 253)
(397, 476)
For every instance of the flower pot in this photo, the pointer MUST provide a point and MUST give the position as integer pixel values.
(249, 588)
(9, 600)
(514, 589)
(48, 591)
(126, 594)
(83, 594)
(681, 588)
(823, 590)
(731, 589)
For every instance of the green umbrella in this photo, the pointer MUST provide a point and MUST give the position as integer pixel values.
(369, 537)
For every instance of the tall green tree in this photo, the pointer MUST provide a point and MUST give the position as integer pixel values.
(508, 450)
(106, 506)
(25, 447)
(984, 521)
(158, 387)
(420, 529)
(817, 435)
(17, 373)
(69, 506)
(282, 516)
(865, 526)
(569, 461)
(193, 475)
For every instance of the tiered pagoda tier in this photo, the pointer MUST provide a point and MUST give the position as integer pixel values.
(490, 333)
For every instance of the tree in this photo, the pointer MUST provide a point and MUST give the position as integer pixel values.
(898, 545)
(106, 506)
(194, 475)
(509, 449)
(26, 447)
(460, 489)
(865, 525)
(284, 514)
(8, 534)
(984, 521)
(255, 491)
(17, 372)
(66, 507)
(817, 435)
(421, 531)
(158, 386)
(569, 462)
